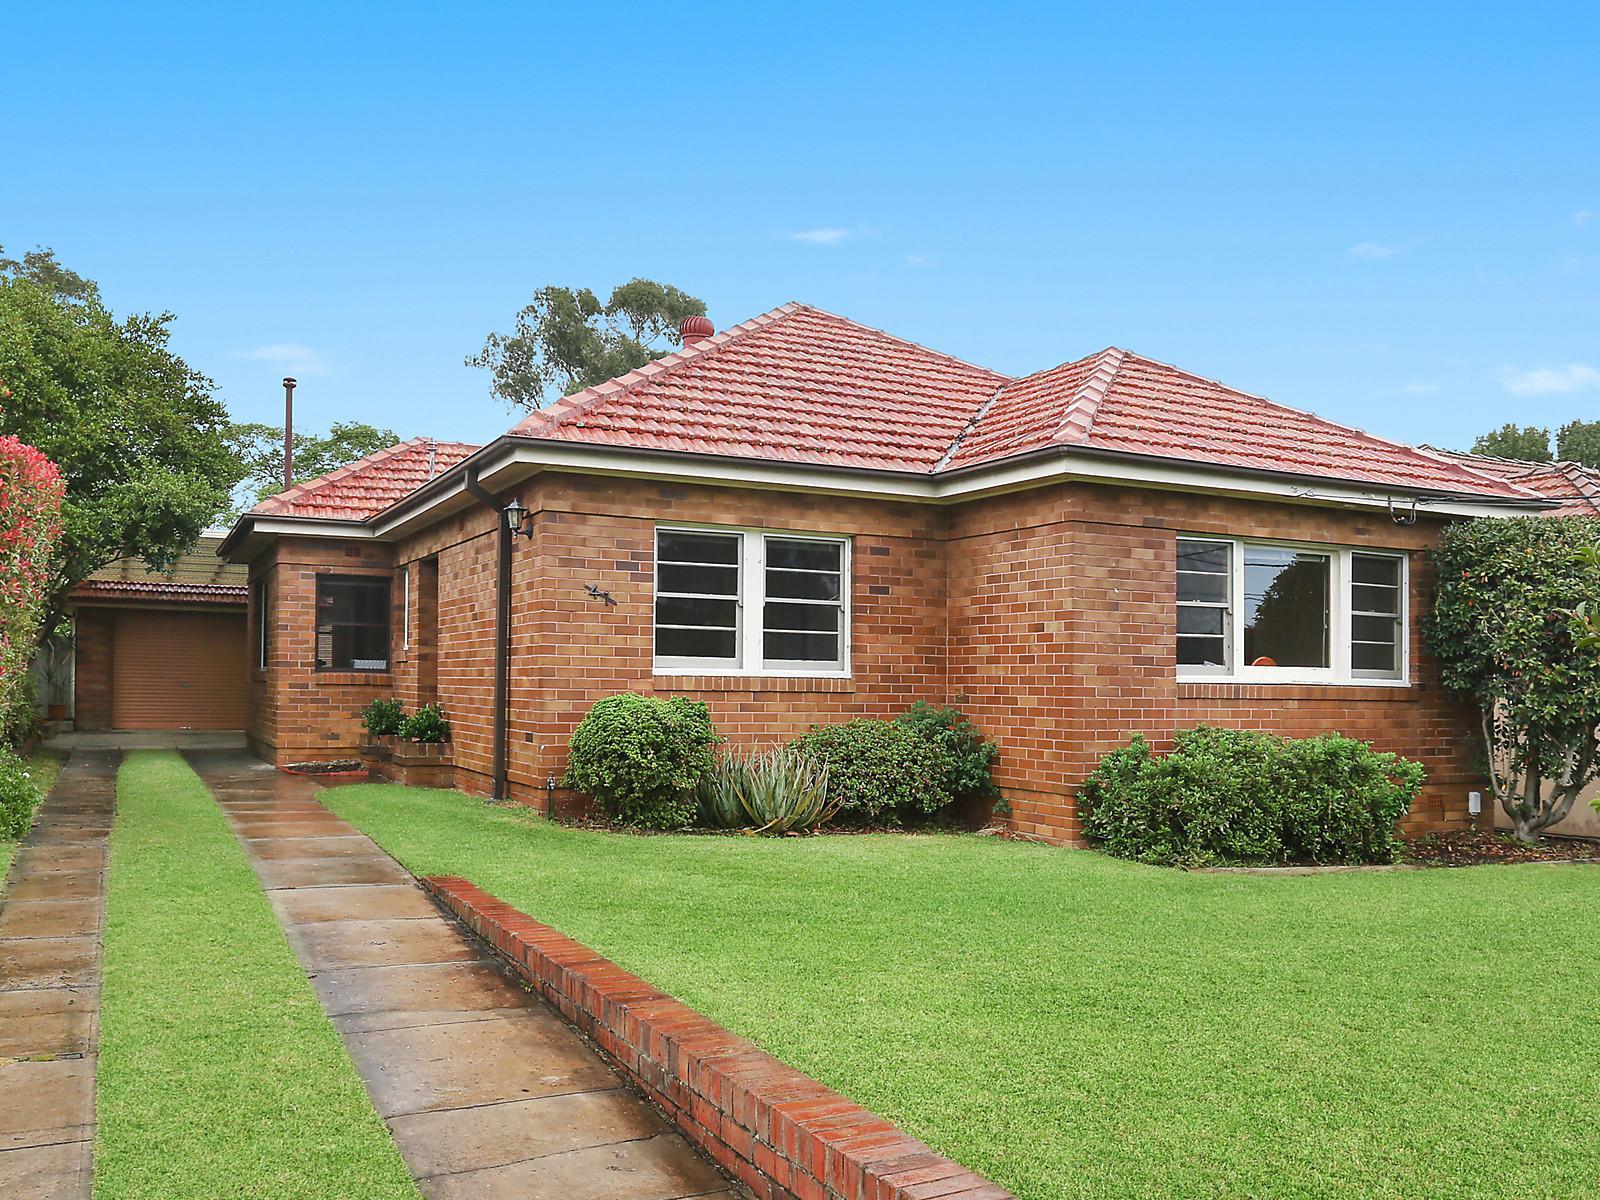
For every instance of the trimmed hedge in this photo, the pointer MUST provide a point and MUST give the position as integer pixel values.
(642, 757)
(1225, 796)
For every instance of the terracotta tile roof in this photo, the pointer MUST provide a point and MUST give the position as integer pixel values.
(199, 577)
(801, 385)
(1577, 486)
(797, 385)
(178, 593)
(369, 485)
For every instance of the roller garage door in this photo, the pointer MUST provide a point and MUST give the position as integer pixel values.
(178, 670)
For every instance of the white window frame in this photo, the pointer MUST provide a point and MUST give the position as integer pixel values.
(1340, 582)
(405, 607)
(751, 607)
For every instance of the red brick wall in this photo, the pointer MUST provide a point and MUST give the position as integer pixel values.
(1062, 643)
(91, 672)
(297, 713)
(1047, 615)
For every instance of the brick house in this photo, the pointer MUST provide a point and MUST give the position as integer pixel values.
(801, 519)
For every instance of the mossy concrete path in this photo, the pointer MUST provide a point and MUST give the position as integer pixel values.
(51, 918)
(488, 1093)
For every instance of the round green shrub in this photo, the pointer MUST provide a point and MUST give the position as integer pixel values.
(969, 756)
(1249, 798)
(880, 771)
(19, 795)
(383, 717)
(642, 757)
(427, 724)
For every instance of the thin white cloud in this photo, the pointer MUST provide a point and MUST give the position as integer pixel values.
(1419, 389)
(1582, 217)
(287, 356)
(1373, 250)
(1551, 381)
(827, 235)
(921, 261)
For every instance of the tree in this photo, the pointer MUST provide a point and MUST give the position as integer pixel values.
(566, 340)
(136, 432)
(1526, 443)
(1510, 633)
(260, 449)
(1579, 442)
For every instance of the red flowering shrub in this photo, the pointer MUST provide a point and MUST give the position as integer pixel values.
(31, 492)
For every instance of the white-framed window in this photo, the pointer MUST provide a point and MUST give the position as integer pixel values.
(405, 607)
(263, 628)
(1283, 612)
(751, 602)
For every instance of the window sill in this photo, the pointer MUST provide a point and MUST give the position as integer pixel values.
(671, 681)
(353, 678)
(1220, 688)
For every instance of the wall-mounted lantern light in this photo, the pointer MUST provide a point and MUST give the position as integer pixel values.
(519, 520)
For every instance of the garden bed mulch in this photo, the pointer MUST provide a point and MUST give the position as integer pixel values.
(1472, 848)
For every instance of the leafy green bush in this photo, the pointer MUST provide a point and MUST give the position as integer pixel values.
(1512, 631)
(642, 758)
(383, 717)
(19, 795)
(1230, 796)
(427, 724)
(880, 771)
(776, 791)
(970, 757)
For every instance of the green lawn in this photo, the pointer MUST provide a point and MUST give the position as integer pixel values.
(43, 766)
(219, 1075)
(1076, 1026)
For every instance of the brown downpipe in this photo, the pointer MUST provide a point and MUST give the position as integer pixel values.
(502, 629)
(288, 432)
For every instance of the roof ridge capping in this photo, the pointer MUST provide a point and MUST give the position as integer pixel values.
(1077, 419)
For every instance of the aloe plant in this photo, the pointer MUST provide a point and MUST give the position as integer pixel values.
(776, 791)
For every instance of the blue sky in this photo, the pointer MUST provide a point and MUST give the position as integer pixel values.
(1389, 215)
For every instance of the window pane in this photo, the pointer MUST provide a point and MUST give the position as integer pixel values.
(1211, 589)
(1285, 608)
(1201, 620)
(697, 547)
(800, 585)
(819, 648)
(1369, 598)
(1202, 652)
(353, 622)
(676, 610)
(697, 643)
(715, 581)
(809, 556)
(1373, 629)
(823, 618)
(1366, 656)
(1210, 557)
(1374, 568)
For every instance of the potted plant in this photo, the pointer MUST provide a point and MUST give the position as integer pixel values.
(57, 666)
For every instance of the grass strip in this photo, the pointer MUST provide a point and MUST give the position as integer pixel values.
(219, 1074)
(1072, 1025)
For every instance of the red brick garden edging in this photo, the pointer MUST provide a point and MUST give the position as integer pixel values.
(782, 1133)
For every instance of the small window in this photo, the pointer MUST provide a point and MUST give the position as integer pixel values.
(263, 628)
(697, 598)
(353, 622)
(405, 607)
(1376, 608)
(1204, 572)
(803, 617)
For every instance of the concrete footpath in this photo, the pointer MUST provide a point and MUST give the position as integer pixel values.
(488, 1093)
(51, 921)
